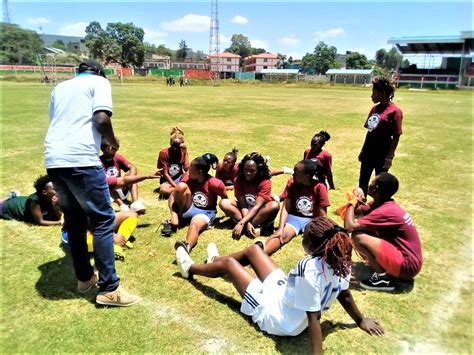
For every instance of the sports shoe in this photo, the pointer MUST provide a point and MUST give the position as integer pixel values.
(124, 208)
(183, 244)
(138, 206)
(86, 286)
(211, 252)
(118, 297)
(184, 261)
(380, 282)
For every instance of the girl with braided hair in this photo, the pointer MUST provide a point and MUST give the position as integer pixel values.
(384, 127)
(227, 170)
(316, 152)
(173, 161)
(194, 200)
(286, 305)
(255, 206)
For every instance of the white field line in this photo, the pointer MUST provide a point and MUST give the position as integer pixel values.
(446, 307)
(213, 342)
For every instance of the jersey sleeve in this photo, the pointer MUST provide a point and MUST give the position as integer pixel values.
(285, 192)
(102, 98)
(322, 197)
(163, 161)
(397, 121)
(123, 163)
(379, 217)
(306, 153)
(220, 188)
(265, 190)
(238, 191)
(111, 181)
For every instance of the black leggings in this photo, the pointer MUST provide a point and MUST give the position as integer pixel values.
(366, 168)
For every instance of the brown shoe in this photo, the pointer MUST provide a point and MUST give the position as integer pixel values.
(118, 297)
(86, 286)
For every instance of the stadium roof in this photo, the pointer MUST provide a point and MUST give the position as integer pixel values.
(279, 71)
(349, 72)
(460, 44)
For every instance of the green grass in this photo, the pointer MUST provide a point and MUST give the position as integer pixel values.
(42, 313)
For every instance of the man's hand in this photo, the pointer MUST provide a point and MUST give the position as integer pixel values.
(371, 326)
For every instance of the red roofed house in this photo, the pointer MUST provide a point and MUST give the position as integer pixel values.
(228, 62)
(255, 63)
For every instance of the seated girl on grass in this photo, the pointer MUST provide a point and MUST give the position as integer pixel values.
(227, 170)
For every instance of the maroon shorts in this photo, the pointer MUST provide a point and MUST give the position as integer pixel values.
(390, 258)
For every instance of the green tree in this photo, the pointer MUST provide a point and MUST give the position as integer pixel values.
(282, 63)
(120, 43)
(241, 46)
(59, 44)
(388, 61)
(322, 59)
(17, 45)
(183, 50)
(355, 60)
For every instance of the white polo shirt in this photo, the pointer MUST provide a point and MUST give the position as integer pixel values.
(72, 139)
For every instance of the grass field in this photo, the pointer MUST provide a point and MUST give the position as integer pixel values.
(41, 312)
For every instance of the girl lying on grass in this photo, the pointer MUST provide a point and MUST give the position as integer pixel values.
(287, 305)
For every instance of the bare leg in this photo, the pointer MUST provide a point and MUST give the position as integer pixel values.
(230, 209)
(267, 213)
(178, 202)
(134, 192)
(197, 225)
(166, 189)
(368, 246)
(115, 195)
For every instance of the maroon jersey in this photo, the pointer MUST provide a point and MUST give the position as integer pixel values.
(324, 157)
(113, 167)
(205, 194)
(251, 190)
(303, 198)
(391, 223)
(173, 165)
(227, 177)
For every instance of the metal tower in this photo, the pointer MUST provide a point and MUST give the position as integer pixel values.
(6, 12)
(214, 41)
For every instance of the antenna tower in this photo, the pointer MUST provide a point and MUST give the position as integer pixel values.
(214, 42)
(6, 13)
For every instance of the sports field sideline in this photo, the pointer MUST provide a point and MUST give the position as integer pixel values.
(41, 312)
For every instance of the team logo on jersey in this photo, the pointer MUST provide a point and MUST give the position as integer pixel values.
(174, 169)
(112, 171)
(304, 206)
(200, 199)
(373, 121)
(250, 199)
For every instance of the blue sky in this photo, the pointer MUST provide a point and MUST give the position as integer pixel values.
(292, 28)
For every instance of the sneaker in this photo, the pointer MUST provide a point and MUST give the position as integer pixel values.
(138, 207)
(86, 286)
(184, 261)
(380, 282)
(287, 170)
(183, 244)
(124, 208)
(166, 229)
(118, 297)
(211, 252)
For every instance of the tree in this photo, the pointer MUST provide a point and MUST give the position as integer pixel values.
(282, 63)
(241, 46)
(322, 59)
(59, 44)
(380, 57)
(183, 50)
(17, 45)
(355, 60)
(120, 43)
(388, 61)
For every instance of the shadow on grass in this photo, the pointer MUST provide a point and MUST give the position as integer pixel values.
(57, 280)
(223, 223)
(361, 271)
(287, 344)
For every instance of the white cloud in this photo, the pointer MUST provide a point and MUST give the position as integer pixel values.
(331, 33)
(240, 20)
(188, 23)
(294, 55)
(155, 37)
(74, 29)
(224, 42)
(257, 43)
(38, 21)
(289, 41)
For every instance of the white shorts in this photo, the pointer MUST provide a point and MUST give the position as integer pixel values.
(262, 302)
(208, 215)
(297, 223)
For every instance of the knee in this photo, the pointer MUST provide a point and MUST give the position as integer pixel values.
(274, 206)
(253, 250)
(359, 238)
(181, 188)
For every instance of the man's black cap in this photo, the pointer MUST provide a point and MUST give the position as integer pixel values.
(91, 65)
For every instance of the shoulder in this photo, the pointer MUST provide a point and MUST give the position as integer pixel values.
(34, 197)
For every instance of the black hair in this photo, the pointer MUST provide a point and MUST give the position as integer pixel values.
(91, 66)
(384, 85)
(323, 137)
(205, 162)
(332, 243)
(263, 172)
(40, 183)
(387, 184)
(233, 153)
(314, 169)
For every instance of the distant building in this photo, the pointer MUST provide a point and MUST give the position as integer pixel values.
(190, 63)
(224, 62)
(157, 61)
(255, 63)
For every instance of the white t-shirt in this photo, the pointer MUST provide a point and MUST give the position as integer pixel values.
(72, 139)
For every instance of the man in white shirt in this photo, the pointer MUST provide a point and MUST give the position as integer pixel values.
(80, 110)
